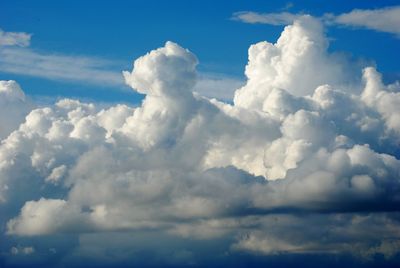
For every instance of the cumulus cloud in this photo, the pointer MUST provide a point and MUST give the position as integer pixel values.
(14, 106)
(291, 64)
(183, 165)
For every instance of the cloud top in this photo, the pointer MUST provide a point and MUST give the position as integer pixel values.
(168, 68)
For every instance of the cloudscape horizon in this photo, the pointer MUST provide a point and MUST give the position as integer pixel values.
(300, 167)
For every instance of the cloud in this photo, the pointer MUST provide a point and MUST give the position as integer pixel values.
(291, 64)
(89, 70)
(26, 61)
(283, 18)
(318, 152)
(152, 74)
(336, 231)
(382, 20)
(14, 39)
(14, 106)
(22, 250)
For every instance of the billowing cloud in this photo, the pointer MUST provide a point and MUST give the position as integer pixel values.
(310, 141)
(14, 106)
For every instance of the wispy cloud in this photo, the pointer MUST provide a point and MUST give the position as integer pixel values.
(59, 67)
(282, 18)
(288, 6)
(384, 20)
(16, 57)
(14, 39)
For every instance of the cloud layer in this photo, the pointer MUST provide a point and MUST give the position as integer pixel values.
(308, 134)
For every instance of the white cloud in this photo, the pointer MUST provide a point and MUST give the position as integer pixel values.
(184, 165)
(42, 217)
(56, 174)
(14, 39)
(291, 64)
(14, 106)
(26, 61)
(89, 70)
(383, 20)
(283, 18)
(168, 71)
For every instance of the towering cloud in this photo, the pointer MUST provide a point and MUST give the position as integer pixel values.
(301, 136)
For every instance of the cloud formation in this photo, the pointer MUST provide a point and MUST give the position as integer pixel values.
(14, 39)
(283, 18)
(383, 20)
(16, 57)
(14, 106)
(293, 143)
(89, 70)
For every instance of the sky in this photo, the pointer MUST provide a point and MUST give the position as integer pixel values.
(199, 133)
(120, 32)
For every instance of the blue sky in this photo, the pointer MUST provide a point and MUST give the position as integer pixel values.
(199, 133)
(122, 31)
